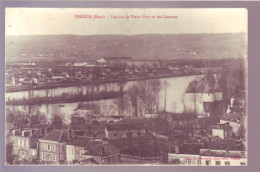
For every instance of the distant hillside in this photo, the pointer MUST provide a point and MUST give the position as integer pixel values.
(137, 46)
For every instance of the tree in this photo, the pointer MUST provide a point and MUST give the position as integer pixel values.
(149, 95)
(121, 103)
(57, 121)
(133, 94)
(165, 86)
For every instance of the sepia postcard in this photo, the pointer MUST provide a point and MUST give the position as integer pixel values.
(126, 86)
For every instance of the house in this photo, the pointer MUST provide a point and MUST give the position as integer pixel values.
(102, 152)
(87, 109)
(185, 154)
(65, 75)
(97, 119)
(52, 147)
(69, 64)
(24, 143)
(98, 151)
(27, 63)
(75, 150)
(57, 79)
(233, 119)
(222, 158)
(79, 76)
(40, 81)
(222, 130)
(223, 153)
(81, 64)
(124, 130)
(183, 120)
(114, 60)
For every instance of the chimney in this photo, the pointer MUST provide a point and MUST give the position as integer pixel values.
(176, 149)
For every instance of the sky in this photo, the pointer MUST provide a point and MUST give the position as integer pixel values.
(55, 21)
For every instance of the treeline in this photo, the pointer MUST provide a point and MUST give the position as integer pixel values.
(142, 98)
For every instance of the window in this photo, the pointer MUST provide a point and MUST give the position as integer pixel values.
(53, 148)
(72, 151)
(43, 156)
(48, 147)
(54, 157)
(243, 155)
(208, 162)
(81, 152)
(242, 163)
(218, 163)
(22, 143)
(189, 161)
(227, 163)
(48, 157)
(43, 146)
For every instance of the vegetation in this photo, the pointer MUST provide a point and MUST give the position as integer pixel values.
(141, 98)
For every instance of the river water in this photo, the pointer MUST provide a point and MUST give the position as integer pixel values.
(174, 98)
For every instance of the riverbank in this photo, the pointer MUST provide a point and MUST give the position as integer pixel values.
(66, 99)
(99, 82)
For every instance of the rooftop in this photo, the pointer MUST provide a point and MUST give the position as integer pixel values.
(125, 126)
(225, 126)
(81, 142)
(103, 149)
(225, 144)
(183, 116)
(57, 136)
(190, 148)
(231, 117)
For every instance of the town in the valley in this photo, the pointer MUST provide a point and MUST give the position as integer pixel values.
(125, 111)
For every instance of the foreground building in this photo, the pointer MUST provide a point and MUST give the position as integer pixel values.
(104, 154)
(220, 153)
(211, 157)
(186, 154)
(86, 151)
(52, 147)
(24, 142)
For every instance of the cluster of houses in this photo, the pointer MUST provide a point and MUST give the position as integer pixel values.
(84, 141)
(65, 146)
(103, 69)
(220, 153)
(87, 140)
(219, 142)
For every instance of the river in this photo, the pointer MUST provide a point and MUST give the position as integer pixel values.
(174, 97)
